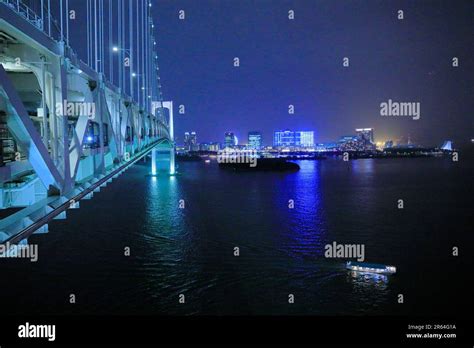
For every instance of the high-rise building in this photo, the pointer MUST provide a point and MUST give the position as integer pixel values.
(304, 139)
(186, 140)
(283, 138)
(321, 147)
(255, 140)
(289, 138)
(351, 143)
(366, 137)
(214, 147)
(366, 134)
(190, 141)
(230, 140)
(203, 147)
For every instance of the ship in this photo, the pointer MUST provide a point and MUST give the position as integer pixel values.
(370, 267)
(262, 164)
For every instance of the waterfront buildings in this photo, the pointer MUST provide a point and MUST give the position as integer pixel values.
(363, 140)
(230, 140)
(190, 141)
(329, 146)
(204, 147)
(366, 138)
(255, 140)
(298, 139)
(295, 141)
(365, 134)
(350, 143)
(214, 147)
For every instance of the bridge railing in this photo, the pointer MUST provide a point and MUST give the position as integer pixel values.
(25, 12)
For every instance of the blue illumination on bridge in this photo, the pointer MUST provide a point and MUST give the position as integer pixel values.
(49, 155)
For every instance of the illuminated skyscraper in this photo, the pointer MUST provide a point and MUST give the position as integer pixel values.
(304, 139)
(230, 140)
(366, 134)
(366, 137)
(255, 140)
(214, 147)
(289, 138)
(190, 141)
(283, 138)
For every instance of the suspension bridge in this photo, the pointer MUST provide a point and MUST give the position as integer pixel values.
(80, 102)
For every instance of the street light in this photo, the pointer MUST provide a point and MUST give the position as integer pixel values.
(117, 49)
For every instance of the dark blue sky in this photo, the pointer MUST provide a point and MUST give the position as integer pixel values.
(300, 62)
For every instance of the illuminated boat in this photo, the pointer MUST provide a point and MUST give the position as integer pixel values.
(370, 267)
(261, 164)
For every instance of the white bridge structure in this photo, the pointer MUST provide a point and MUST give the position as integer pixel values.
(71, 122)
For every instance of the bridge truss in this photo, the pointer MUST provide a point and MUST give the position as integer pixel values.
(66, 127)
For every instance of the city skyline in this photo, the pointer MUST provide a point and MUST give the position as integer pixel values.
(300, 63)
(295, 160)
(400, 140)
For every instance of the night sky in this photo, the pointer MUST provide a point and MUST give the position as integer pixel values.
(299, 62)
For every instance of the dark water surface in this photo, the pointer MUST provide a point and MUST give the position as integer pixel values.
(190, 251)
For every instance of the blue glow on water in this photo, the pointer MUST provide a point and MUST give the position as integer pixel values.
(306, 222)
(190, 250)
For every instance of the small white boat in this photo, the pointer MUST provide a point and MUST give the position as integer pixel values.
(370, 267)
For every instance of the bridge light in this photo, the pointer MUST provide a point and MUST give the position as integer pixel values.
(134, 75)
(115, 49)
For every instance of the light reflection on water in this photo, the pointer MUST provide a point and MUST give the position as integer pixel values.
(288, 252)
(191, 251)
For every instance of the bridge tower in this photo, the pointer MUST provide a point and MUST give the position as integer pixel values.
(163, 154)
(70, 123)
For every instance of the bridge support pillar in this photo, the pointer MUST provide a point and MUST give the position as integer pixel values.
(163, 155)
(153, 162)
(172, 162)
(162, 159)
